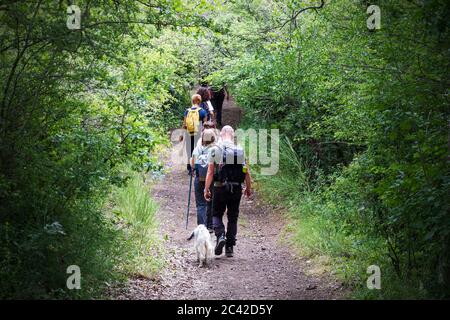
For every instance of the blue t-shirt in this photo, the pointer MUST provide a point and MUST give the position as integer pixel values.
(205, 106)
(202, 114)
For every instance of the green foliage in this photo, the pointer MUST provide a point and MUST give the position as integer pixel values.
(75, 105)
(364, 169)
(366, 113)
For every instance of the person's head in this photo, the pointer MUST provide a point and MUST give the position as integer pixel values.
(209, 125)
(208, 137)
(196, 99)
(227, 133)
(204, 93)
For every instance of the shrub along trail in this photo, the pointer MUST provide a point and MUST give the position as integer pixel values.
(263, 267)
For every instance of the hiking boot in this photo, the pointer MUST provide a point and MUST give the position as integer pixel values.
(220, 244)
(229, 251)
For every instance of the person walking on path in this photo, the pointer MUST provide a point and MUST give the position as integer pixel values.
(193, 120)
(218, 97)
(216, 132)
(206, 93)
(227, 169)
(199, 162)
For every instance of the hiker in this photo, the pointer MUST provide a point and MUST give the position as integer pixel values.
(194, 117)
(210, 125)
(216, 133)
(199, 162)
(218, 96)
(227, 169)
(205, 93)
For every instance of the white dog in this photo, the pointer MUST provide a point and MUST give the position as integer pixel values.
(203, 245)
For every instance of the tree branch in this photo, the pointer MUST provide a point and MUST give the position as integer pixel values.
(294, 17)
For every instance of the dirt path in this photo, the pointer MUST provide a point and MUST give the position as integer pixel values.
(262, 267)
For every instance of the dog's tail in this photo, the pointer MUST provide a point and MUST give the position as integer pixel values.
(190, 238)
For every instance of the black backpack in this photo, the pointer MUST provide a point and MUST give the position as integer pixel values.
(232, 167)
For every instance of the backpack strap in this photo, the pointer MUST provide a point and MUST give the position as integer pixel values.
(191, 109)
(224, 155)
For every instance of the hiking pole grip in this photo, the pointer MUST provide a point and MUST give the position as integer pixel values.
(189, 200)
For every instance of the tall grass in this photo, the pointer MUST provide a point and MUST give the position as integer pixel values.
(291, 182)
(134, 211)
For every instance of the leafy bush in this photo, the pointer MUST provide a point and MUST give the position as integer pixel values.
(367, 116)
(75, 105)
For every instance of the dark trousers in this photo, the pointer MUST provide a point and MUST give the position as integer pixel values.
(217, 102)
(218, 109)
(204, 212)
(229, 200)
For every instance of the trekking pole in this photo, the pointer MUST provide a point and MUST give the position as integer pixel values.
(189, 199)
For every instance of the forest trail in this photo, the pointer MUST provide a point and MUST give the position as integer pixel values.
(263, 267)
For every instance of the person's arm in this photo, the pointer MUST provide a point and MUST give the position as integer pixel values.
(210, 106)
(205, 116)
(209, 181)
(192, 167)
(193, 157)
(211, 110)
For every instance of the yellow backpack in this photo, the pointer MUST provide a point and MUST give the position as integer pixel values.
(193, 120)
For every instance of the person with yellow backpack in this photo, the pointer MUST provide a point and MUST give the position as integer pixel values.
(194, 117)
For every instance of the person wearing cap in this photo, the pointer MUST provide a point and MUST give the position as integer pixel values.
(191, 138)
(199, 162)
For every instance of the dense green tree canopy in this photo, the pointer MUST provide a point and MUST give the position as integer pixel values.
(364, 114)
